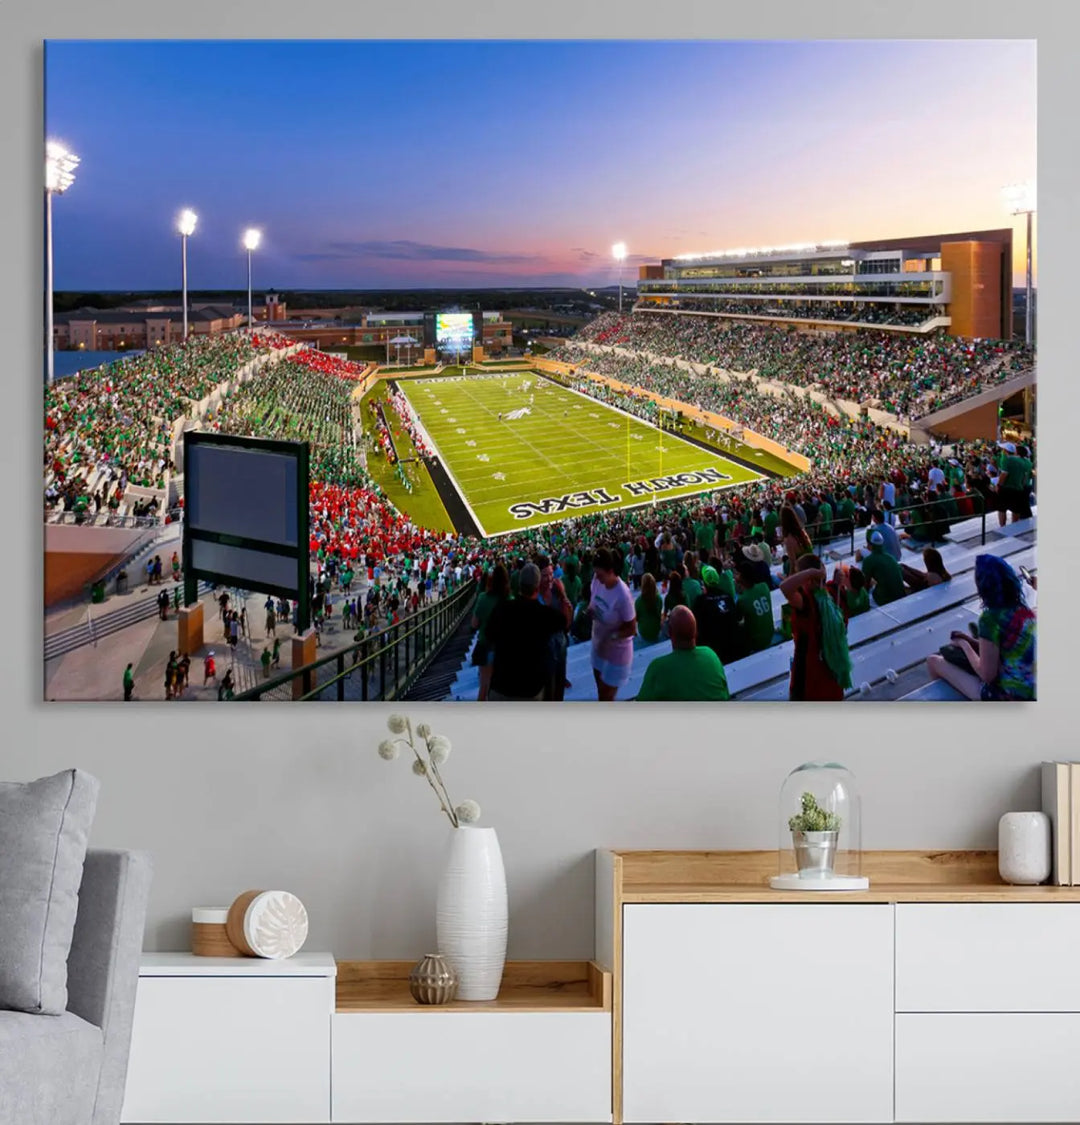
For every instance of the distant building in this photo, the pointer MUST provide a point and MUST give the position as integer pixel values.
(960, 282)
(144, 325)
(150, 324)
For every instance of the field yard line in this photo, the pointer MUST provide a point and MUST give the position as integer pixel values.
(634, 417)
(577, 434)
(446, 467)
(524, 441)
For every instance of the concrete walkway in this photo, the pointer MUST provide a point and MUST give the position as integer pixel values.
(96, 671)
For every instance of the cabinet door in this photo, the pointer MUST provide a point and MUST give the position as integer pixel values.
(988, 957)
(230, 1049)
(988, 1067)
(762, 1013)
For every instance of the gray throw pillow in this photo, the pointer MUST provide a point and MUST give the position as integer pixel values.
(44, 826)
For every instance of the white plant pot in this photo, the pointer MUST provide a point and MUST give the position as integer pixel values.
(470, 912)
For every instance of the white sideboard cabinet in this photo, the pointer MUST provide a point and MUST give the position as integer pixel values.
(231, 1040)
(539, 1052)
(938, 995)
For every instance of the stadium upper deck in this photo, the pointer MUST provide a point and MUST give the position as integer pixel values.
(961, 282)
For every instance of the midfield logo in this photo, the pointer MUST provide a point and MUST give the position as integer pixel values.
(595, 497)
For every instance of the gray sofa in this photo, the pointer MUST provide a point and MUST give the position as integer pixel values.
(70, 1069)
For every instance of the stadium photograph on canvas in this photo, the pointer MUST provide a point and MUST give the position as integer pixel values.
(724, 396)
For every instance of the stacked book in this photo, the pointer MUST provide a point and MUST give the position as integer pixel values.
(1061, 803)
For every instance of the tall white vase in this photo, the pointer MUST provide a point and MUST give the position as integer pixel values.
(470, 914)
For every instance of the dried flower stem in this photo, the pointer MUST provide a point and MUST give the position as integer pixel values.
(444, 798)
(438, 777)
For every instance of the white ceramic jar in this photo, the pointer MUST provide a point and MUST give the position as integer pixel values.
(1024, 848)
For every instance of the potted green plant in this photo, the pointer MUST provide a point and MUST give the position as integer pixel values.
(814, 834)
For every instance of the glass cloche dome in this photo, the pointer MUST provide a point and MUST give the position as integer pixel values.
(820, 830)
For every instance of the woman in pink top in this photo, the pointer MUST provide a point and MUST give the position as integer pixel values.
(614, 623)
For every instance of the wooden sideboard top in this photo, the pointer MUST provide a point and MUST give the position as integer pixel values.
(527, 986)
(895, 876)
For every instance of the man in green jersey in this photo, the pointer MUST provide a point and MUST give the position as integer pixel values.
(754, 609)
(882, 572)
(1014, 483)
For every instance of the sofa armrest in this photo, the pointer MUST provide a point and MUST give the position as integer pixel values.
(103, 966)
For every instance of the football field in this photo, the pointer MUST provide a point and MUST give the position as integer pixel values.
(523, 451)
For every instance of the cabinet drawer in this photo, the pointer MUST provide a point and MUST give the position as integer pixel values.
(981, 1067)
(472, 1066)
(988, 957)
(230, 1049)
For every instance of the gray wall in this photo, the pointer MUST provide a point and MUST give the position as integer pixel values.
(254, 797)
(232, 798)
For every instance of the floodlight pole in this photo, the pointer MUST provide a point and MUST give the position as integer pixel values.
(1029, 320)
(49, 343)
(619, 253)
(183, 272)
(251, 327)
(60, 166)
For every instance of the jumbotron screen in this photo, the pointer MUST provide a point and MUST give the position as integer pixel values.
(454, 331)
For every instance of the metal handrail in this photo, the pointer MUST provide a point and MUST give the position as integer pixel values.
(980, 509)
(417, 639)
(102, 519)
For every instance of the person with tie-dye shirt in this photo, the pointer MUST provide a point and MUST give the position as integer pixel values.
(1002, 659)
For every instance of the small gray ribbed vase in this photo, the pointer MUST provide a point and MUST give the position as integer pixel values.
(432, 980)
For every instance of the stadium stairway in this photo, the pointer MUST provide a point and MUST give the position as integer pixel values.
(885, 642)
(439, 677)
(92, 630)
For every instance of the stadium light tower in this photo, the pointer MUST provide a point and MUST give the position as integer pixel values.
(618, 252)
(1020, 200)
(252, 238)
(60, 168)
(186, 226)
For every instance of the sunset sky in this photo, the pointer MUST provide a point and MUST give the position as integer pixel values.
(381, 164)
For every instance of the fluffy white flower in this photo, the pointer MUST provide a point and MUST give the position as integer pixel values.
(439, 754)
(423, 730)
(397, 724)
(441, 744)
(388, 749)
(419, 768)
(468, 812)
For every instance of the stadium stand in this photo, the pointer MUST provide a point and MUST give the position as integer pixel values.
(906, 376)
(110, 430)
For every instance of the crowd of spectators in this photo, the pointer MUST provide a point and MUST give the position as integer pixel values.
(331, 365)
(111, 426)
(906, 374)
(296, 401)
(835, 312)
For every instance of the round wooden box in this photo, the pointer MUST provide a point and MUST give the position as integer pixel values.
(271, 924)
(209, 937)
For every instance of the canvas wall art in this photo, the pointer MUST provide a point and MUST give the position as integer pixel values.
(539, 371)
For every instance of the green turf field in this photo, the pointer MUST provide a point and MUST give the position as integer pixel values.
(565, 455)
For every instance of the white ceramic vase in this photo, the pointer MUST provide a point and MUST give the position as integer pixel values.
(1024, 848)
(470, 914)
